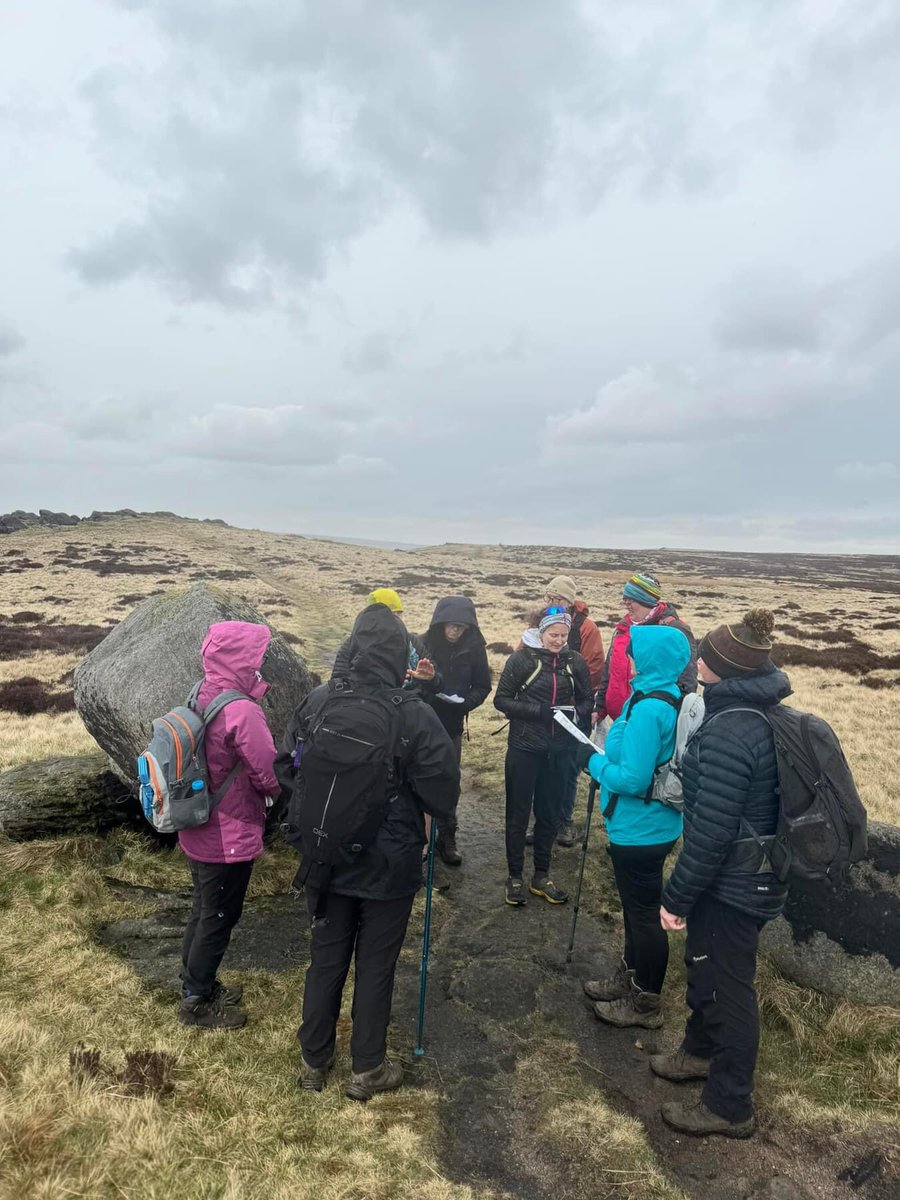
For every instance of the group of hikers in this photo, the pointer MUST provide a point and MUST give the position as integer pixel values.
(722, 888)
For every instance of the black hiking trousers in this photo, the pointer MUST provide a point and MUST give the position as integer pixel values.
(720, 955)
(535, 778)
(374, 930)
(219, 891)
(450, 824)
(639, 879)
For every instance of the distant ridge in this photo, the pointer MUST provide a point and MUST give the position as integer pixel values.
(372, 542)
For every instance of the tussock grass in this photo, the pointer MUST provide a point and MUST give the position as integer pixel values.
(576, 1123)
(235, 1126)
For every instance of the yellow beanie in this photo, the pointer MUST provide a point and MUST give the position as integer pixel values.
(388, 597)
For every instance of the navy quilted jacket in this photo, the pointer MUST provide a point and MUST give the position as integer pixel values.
(730, 776)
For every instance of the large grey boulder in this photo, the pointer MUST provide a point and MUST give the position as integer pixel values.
(151, 660)
(845, 941)
(57, 796)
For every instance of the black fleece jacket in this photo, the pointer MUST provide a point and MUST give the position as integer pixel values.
(428, 773)
(563, 679)
(730, 777)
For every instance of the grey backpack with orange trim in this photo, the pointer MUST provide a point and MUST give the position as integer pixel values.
(172, 773)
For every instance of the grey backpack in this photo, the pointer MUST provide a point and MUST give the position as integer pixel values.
(172, 773)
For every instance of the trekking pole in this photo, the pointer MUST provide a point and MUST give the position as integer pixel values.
(592, 794)
(426, 940)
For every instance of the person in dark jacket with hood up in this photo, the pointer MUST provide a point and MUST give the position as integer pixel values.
(543, 676)
(370, 898)
(722, 886)
(421, 676)
(455, 645)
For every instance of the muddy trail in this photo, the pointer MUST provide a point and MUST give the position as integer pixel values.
(499, 989)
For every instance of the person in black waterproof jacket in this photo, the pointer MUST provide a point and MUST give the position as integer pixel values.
(370, 899)
(455, 645)
(543, 676)
(722, 886)
(421, 676)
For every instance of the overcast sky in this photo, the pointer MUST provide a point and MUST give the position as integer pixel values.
(609, 274)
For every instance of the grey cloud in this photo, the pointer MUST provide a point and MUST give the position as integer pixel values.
(275, 134)
(377, 351)
(11, 340)
(771, 314)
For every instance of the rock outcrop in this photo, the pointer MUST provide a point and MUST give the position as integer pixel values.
(151, 660)
(845, 941)
(57, 796)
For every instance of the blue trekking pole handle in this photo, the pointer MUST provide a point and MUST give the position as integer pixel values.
(426, 940)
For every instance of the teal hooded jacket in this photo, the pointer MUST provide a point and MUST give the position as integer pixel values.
(637, 746)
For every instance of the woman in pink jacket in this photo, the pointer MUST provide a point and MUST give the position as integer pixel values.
(222, 851)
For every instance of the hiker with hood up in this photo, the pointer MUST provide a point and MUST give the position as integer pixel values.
(370, 895)
(642, 832)
(221, 852)
(421, 675)
(544, 675)
(456, 646)
(722, 886)
(644, 605)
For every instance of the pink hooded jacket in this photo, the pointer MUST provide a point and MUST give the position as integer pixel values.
(232, 653)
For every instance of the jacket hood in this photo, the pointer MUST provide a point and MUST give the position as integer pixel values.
(579, 606)
(379, 648)
(532, 638)
(660, 655)
(455, 610)
(765, 687)
(232, 653)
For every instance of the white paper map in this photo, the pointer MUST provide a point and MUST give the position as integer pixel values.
(571, 727)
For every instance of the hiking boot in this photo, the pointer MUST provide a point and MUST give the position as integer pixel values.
(638, 1009)
(515, 892)
(529, 838)
(439, 881)
(567, 835)
(230, 996)
(446, 848)
(543, 885)
(680, 1066)
(312, 1079)
(364, 1085)
(698, 1121)
(210, 1014)
(614, 987)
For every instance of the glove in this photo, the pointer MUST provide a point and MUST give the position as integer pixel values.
(583, 755)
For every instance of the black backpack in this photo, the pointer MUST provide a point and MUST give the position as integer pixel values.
(821, 820)
(346, 772)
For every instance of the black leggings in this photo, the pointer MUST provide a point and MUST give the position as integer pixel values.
(638, 871)
(537, 778)
(219, 891)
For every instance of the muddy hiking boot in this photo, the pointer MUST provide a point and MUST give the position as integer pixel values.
(679, 1067)
(230, 996)
(614, 987)
(515, 892)
(312, 1079)
(543, 886)
(698, 1121)
(568, 835)
(638, 1009)
(446, 847)
(210, 1014)
(364, 1085)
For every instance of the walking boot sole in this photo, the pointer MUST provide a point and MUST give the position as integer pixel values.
(550, 899)
(679, 1076)
(637, 1021)
(357, 1091)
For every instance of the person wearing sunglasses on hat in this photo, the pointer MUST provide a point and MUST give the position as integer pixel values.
(544, 675)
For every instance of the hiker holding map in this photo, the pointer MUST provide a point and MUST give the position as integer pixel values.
(642, 829)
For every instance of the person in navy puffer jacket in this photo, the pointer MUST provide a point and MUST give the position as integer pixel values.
(642, 832)
(722, 886)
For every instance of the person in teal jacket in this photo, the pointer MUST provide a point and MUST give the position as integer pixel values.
(641, 832)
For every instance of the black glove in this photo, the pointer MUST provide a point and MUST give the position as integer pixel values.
(546, 713)
(584, 754)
